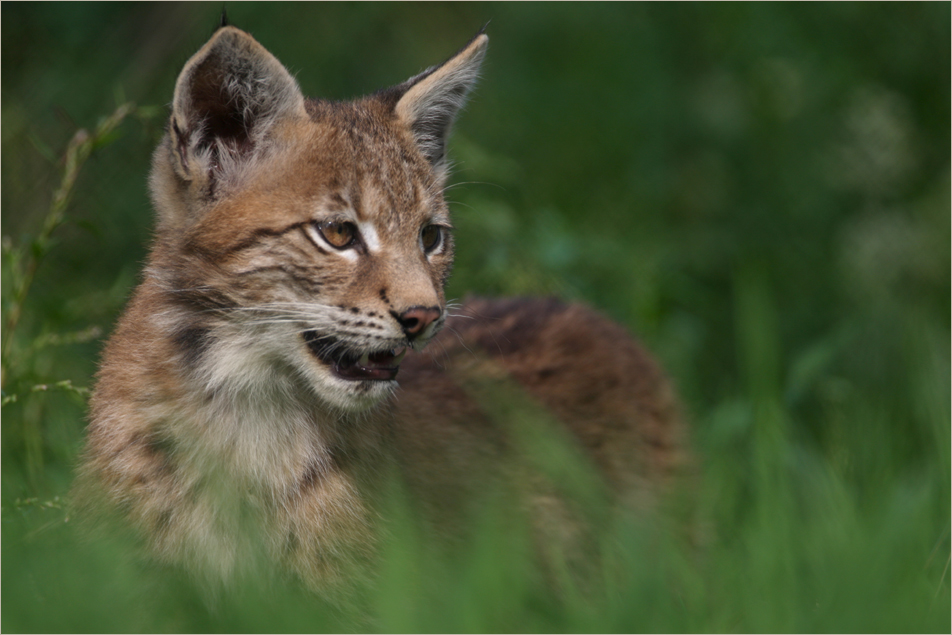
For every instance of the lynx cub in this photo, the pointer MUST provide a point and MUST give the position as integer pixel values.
(269, 372)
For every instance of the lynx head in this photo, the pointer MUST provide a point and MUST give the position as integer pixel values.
(301, 238)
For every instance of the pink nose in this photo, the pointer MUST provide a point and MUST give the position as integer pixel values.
(415, 319)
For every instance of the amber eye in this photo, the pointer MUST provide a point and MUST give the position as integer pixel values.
(338, 233)
(431, 237)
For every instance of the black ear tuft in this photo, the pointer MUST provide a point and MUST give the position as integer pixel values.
(224, 18)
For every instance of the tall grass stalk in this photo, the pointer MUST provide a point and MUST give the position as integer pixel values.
(21, 263)
(24, 262)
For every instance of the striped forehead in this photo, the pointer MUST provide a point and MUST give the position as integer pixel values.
(374, 168)
(381, 208)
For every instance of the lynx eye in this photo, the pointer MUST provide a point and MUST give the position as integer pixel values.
(338, 234)
(431, 237)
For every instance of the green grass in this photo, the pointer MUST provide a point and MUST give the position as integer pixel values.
(761, 192)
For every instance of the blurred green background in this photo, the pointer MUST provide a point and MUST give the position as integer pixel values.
(760, 191)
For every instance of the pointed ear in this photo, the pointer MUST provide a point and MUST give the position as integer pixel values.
(227, 99)
(430, 101)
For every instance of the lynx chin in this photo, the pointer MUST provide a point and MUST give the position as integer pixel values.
(290, 351)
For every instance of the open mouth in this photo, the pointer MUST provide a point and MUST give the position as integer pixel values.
(354, 365)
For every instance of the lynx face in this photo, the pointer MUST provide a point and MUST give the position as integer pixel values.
(315, 234)
(338, 266)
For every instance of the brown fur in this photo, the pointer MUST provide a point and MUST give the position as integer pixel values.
(222, 427)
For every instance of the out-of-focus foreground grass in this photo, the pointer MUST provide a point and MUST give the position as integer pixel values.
(761, 192)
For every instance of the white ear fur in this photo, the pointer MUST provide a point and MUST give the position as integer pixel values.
(227, 98)
(433, 98)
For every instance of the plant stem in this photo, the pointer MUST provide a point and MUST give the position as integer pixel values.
(80, 147)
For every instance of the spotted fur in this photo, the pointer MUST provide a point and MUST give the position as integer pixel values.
(246, 409)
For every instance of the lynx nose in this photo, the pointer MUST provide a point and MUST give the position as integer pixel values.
(415, 319)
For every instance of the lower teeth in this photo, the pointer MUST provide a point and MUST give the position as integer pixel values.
(396, 353)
